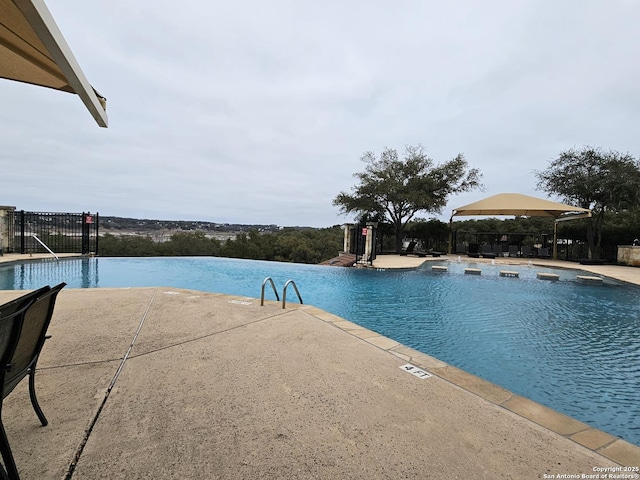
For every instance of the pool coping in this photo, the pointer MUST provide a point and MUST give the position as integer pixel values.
(598, 441)
(18, 258)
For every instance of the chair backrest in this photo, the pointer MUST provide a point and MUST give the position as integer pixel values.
(27, 337)
(9, 312)
(20, 302)
(8, 337)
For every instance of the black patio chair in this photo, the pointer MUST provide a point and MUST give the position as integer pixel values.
(487, 251)
(22, 335)
(543, 253)
(410, 248)
(473, 251)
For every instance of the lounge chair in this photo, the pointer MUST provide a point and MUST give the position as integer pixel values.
(473, 250)
(526, 251)
(543, 253)
(23, 327)
(487, 252)
(513, 250)
(411, 250)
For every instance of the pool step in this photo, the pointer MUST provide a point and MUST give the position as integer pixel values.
(472, 271)
(439, 268)
(589, 279)
(548, 276)
(509, 273)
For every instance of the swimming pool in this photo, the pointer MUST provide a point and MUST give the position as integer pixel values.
(570, 346)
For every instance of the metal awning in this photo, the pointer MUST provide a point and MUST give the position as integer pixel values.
(508, 204)
(518, 204)
(33, 50)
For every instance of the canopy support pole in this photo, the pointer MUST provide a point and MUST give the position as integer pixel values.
(555, 229)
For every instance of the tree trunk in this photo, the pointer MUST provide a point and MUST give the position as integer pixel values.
(594, 234)
(399, 238)
(591, 240)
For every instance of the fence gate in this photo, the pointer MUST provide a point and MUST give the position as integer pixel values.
(61, 232)
(359, 242)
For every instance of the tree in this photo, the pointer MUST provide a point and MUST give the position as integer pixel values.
(394, 190)
(592, 178)
(191, 243)
(307, 245)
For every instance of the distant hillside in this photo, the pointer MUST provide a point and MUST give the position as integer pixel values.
(150, 226)
(142, 226)
(121, 237)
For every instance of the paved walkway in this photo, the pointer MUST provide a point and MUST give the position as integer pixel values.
(167, 383)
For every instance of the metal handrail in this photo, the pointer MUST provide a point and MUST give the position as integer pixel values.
(268, 279)
(42, 243)
(284, 292)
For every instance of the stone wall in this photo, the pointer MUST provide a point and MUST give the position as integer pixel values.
(629, 255)
(6, 228)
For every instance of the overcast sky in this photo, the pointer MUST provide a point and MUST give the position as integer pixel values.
(258, 112)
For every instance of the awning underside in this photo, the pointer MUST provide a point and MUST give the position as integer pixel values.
(23, 56)
(32, 50)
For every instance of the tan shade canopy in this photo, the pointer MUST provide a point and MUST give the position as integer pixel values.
(33, 50)
(518, 204)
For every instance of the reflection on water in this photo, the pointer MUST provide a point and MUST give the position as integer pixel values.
(79, 272)
(570, 346)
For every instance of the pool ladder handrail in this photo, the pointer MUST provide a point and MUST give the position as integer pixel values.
(45, 246)
(273, 285)
(284, 291)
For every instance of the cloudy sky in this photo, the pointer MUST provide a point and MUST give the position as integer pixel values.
(258, 112)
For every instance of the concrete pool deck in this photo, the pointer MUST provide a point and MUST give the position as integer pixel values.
(171, 383)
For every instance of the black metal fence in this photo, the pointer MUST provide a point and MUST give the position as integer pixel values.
(569, 249)
(60, 232)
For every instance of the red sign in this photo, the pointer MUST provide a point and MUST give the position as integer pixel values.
(364, 231)
(88, 219)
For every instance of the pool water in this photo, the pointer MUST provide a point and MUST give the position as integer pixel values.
(564, 344)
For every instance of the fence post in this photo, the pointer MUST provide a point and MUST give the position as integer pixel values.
(97, 233)
(85, 233)
(22, 232)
